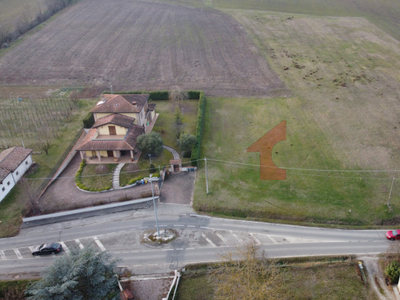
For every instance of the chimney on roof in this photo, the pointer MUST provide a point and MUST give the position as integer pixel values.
(133, 102)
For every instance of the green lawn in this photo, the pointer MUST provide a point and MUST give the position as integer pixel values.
(315, 279)
(307, 195)
(166, 124)
(92, 178)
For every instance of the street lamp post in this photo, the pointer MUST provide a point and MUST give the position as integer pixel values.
(154, 203)
(150, 157)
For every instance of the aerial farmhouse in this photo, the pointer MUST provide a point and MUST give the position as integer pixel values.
(14, 162)
(119, 121)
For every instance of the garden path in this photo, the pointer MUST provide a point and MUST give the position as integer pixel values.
(173, 151)
(116, 173)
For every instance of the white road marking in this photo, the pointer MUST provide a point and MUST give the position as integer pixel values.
(79, 244)
(208, 240)
(18, 253)
(101, 246)
(179, 225)
(237, 238)
(272, 239)
(258, 243)
(191, 226)
(2, 255)
(144, 227)
(222, 238)
(65, 247)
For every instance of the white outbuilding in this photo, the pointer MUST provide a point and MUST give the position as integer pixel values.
(14, 162)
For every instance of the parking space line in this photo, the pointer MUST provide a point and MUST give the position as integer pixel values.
(258, 243)
(237, 238)
(208, 240)
(179, 225)
(2, 255)
(65, 247)
(101, 246)
(79, 244)
(222, 238)
(18, 253)
(272, 239)
(191, 226)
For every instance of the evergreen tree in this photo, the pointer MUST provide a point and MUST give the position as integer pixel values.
(186, 144)
(150, 143)
(82, 275)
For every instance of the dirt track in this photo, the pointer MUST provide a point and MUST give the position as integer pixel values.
(142, 45)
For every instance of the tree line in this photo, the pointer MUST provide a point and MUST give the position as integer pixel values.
(26, 21)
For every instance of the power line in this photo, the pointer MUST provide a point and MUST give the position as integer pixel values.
(303, 169)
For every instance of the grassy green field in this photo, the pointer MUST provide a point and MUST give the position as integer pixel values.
(312, 280)
(342, 115)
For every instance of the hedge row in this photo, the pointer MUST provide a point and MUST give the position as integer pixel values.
(88, 121)
(79, 183)
(159, 95)
(199, 131)
(155, 95)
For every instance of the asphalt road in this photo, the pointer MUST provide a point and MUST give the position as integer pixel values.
(201, 239)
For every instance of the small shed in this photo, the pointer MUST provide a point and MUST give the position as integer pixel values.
(176, 165)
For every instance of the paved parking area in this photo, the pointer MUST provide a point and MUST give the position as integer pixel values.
(178, 188)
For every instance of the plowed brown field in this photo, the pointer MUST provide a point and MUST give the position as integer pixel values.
(142, 45)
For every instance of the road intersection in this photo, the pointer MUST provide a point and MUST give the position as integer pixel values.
(200, 239)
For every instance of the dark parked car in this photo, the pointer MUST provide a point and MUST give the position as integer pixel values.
(393, 234)
(47, 249)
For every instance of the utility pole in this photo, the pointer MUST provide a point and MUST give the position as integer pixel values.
(154, 203)
(390, 193)
(205, 159)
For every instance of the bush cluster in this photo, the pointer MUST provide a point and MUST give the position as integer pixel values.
(199, 131)
(79, 183)
(392, 271)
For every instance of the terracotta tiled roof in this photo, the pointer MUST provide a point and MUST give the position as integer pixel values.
(3, 174)
(11, 158)
(175, 161)
(116, 119)
(129, 143)
(129, 103)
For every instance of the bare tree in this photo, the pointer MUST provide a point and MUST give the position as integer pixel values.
(245, 274)
(177, 94)
(45, 140)
(30, 193)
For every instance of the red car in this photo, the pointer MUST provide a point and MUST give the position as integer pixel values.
(393, 235)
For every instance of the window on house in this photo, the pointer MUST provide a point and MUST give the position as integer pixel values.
(26, 162)
(112, 130)
(3, 189)
(17, 173)
(8, 183)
